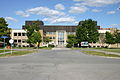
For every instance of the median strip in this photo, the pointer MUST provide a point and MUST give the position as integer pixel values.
(95, 53)
(16, 53)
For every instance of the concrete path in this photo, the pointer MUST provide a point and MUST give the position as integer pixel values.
(61, 49)
(59, 65)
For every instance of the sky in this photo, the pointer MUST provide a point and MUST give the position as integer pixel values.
(61, 12)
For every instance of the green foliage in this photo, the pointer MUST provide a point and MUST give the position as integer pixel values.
(51, 45)
(110, 39)
(35, 37)
(16, 53)
(117, 37)
(87, 31)
(100, 54)
(71, 40)
(33, 33)
(4, 30)
(81, 34)
(46, 39)
(69, 45)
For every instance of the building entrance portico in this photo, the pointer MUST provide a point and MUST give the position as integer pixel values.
(61, 39)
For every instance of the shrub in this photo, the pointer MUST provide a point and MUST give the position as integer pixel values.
(69, 45)
(51, 45)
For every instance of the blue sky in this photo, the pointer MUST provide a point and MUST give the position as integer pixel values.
(61, 12)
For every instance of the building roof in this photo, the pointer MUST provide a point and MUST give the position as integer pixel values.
(53, 28)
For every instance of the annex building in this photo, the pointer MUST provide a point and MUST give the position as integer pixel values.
(57, 33)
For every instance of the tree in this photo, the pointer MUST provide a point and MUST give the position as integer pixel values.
(33, 33)
(4, 30)
(87, 31)
(117, 38)
(71, 40)
(46, 40)
(109, 38)
(36, 38)
(81, 34)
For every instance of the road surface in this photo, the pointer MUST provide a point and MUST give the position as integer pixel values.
(59, 65)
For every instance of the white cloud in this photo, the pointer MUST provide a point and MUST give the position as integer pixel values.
(10, 19)
(64, 19)
(96, 10)
(115, 25)
(111, 12)
(96, 3)
(118, 8)
(22, 13)
(51, 15)
(78, 9)
(76, 22)
(44, 11)
(59, 7)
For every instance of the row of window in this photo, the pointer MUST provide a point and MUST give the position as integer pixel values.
(19, 34)
(19, 41)
(51, 37)
(70, 33)
(52, 33)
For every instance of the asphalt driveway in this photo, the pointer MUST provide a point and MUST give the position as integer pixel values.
(59, 65)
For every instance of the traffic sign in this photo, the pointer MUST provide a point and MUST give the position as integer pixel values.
(11, 41)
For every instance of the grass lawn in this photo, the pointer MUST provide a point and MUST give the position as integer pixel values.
(32, 48)
(17, 53)
(1, 51)
(45, 47)
(76, 48)
(112, 50)
(23, 47)
(104, 49)
(100, 54)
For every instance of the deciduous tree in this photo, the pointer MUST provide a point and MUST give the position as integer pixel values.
(33, 33)
(87, 31)
(109, 38)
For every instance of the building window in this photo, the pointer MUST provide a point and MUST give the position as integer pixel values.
(51, 33)
(15, 34)
(23, 41)
(53, 37)
(70, 33)
(50, 37)
(19, 41)
(15, 41)
(23, 34)
(19, 34)
(60, 38)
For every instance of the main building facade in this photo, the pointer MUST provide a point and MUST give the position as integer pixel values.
(57, 33)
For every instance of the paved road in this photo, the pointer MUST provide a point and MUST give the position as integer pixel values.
(59, 65)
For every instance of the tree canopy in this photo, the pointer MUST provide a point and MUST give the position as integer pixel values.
(33, 33)
(87, 31)
(109, 38)
(46, 39)
(71, 39)
(35, 37)
(117, 37)
(4, 30)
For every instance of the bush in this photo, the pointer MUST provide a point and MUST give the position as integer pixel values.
(69, 45)
(51, 45)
